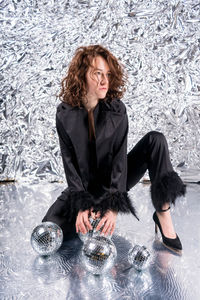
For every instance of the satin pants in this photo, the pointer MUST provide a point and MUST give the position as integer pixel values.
(150, 153)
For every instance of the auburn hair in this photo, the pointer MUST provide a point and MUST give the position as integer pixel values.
(73, 85)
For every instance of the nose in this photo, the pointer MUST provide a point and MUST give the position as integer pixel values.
(104, 79)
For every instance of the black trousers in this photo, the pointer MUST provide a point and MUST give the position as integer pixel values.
(150, 153)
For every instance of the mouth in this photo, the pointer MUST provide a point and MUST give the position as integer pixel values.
(103, 89)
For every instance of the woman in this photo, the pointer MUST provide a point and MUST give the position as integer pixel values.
(92, 126)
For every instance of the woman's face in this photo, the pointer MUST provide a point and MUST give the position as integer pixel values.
(97, 79)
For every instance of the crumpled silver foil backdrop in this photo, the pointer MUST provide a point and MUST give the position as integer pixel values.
(157, 41)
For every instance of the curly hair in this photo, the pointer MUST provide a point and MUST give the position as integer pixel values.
(74, 89)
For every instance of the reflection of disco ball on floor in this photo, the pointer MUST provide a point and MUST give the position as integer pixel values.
(93, 232)
(98, 254)
(46, 238)
(138, 257)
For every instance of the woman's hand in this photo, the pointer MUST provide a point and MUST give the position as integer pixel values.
(108, 222)
(82, 222)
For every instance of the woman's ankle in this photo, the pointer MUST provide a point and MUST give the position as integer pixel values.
(165, 207)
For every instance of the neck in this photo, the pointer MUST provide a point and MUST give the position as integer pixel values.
(90, 104)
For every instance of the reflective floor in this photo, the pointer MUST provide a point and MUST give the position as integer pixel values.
(26, 275)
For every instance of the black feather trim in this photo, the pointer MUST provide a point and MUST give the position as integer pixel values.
(167, 189)
(116, 201)
(76, 201)
(83, 200)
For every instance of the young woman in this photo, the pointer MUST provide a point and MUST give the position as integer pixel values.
(92, 126)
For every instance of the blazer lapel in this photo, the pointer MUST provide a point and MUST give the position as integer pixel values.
(106, 123)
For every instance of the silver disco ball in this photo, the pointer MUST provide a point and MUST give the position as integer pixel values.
(93, 232)
(46, 238)
(138, 257)
(98, 255)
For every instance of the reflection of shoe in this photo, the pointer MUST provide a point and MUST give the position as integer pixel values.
(173, 244)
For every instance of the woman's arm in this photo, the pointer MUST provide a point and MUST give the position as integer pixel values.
(80, 201)
(117, 198)
(69, 160)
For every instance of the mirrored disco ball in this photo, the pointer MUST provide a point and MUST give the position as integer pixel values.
(138, 257)
(98, 255)
(93, 232)
(46, 238)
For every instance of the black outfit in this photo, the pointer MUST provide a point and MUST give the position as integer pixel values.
(98, 170)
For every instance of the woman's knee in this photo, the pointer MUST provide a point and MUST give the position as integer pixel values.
(156, 137)
(155, 134)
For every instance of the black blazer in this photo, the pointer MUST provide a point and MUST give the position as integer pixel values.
(109, 190)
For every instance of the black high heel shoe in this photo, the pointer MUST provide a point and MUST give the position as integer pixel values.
(172, 244)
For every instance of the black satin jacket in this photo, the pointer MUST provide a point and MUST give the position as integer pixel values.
(96, 173)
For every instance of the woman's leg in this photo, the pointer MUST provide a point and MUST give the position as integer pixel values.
(57, 214)
(151, 153)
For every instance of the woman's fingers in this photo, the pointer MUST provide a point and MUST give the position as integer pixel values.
(98, 214)
(107, 227)
(112, 229)
(108, 222)
(78, 223)
(87, 222)
(82, 222)
(100, 223)
(93, 215)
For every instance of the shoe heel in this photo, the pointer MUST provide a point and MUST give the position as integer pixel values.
(172, 244)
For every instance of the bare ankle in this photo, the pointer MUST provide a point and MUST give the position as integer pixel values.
(166, 205)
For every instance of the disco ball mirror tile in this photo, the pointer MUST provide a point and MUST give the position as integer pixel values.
(46, 238)
(98, 255)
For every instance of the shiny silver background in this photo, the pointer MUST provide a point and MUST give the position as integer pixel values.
(157, 41)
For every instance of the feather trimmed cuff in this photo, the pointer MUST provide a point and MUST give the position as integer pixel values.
(167, 189)
(116, 201)
(83, 200)
(76, 201)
